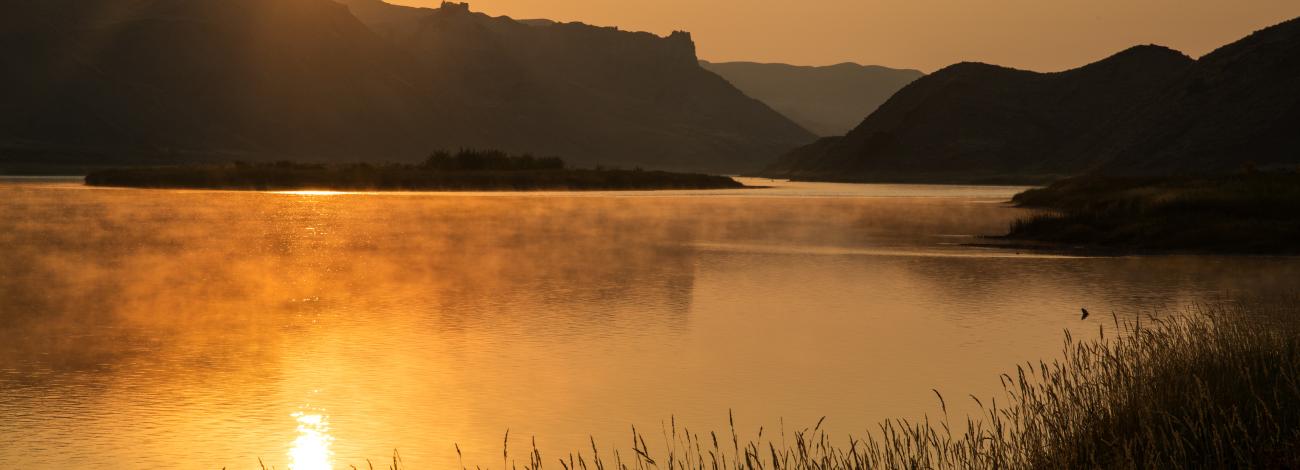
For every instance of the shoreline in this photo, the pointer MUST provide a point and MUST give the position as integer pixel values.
(1239, 214)
(1102, 251)
(397, 178)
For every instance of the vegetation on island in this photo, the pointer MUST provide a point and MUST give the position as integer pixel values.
(1212, 387)
(465, 170)
(1249, 212)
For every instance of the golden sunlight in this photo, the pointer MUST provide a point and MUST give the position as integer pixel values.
(311, 193)
(311, 450)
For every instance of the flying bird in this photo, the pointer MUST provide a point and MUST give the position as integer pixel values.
(1085, 314)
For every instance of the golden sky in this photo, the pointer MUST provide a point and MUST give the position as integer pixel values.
(1044, 35)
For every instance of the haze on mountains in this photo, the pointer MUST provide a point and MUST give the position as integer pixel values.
(102, 82)
(1146, 110)
(828, 100)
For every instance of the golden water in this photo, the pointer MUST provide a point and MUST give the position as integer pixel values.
(207, 329)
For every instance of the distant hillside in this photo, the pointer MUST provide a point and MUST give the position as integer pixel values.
(594, 94)
(1239, 106)
(1148, 110)
(827, 100)
(90, 82)
(974, 122)
(118, 81)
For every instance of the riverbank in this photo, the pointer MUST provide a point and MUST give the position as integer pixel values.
(935, 178)
(1256, 213)
(395, 177)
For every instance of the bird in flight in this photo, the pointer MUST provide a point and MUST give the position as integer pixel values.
(1085, 314)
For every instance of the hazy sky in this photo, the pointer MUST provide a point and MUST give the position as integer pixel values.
(1043, 35)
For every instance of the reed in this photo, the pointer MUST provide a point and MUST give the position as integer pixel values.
(1214, 387)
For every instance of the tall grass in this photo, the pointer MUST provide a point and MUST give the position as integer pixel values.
(1216, 387)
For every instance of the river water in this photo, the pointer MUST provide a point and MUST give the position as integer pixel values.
(208, 329)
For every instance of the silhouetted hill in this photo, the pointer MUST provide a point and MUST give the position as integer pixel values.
(827, 100)
(122, 80)
(160, 81)
(1145, 111)
(974, 121)
(597, 94)
(1239, 106)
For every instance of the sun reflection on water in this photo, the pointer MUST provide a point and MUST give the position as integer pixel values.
(311, 193)
(311, 450)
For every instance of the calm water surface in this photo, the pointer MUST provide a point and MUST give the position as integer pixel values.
(206, 329)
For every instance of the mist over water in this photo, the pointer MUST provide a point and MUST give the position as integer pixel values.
(206, 329)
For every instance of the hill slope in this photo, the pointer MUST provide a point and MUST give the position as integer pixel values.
(1145, 111)
(1239, 106)
(117, 81)
(827, 100)
(973, 121)
(593, 94)
(142, 81)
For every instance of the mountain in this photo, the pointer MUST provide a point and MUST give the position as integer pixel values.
(1147, 110)
(1240, 106)
(599, 94)
(827, 100)
(111, 81)
(95, 82)
(981, 122)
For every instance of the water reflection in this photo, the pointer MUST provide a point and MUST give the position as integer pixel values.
(311, 449)
(312, 193)
(175, 328)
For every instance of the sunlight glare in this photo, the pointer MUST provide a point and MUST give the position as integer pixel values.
(311, 450)
(311, 193)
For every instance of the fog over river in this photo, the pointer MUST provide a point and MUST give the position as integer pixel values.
(207, 329)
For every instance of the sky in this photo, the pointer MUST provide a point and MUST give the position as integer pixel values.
(1042, 35)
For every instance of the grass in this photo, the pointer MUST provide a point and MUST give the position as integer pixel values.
(1216, 387)
(1252, 212)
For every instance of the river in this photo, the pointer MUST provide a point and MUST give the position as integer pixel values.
(208, 329)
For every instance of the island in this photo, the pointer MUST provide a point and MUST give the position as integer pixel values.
(1251, 212)
(465, 170)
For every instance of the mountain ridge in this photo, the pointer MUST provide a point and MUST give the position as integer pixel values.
(1147, 110)
(827, 100)
(105, 82)
(973, 121)
(1240, 107)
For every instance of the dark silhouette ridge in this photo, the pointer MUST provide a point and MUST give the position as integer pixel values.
(1145, 111)
(1207, 164)
(636, 92)
(974, 121)
(828, 100)
(107, 82)
(95, 80)
(1239, 106)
